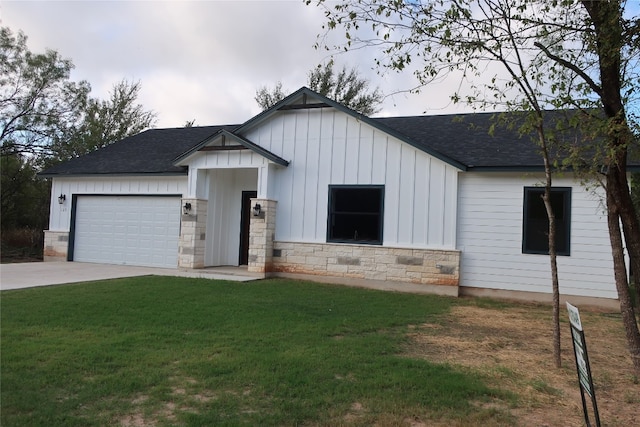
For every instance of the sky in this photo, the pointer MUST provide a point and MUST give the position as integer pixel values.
(202, 60)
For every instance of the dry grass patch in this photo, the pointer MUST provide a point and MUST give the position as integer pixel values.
(513, 347)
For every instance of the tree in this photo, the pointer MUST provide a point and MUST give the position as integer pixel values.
(46, 118)
(267, 98)
(580, 54)
(105, 122)
(37, 101)
(43, 113)
(345, 87)
(24, 201)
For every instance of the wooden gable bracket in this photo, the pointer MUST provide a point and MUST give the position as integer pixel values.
(223, 148)
(304, 106)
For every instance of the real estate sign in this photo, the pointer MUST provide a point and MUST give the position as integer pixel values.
(582, 363)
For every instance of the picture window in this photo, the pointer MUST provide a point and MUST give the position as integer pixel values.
(355, 214)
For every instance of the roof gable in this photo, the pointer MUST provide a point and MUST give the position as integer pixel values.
(225, 138)
(307, 98)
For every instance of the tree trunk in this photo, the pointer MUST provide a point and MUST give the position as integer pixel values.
(627, 212)
(557, 356)
(622, 285)
(607, 23)
(555, 285)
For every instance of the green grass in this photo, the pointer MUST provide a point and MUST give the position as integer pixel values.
(175, 351)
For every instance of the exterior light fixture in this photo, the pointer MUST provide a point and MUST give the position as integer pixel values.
(257, 209)
(186, 208)
(61, 198)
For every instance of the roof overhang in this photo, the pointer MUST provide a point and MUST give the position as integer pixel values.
(111, 174)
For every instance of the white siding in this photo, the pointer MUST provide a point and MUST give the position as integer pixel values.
(60, 215)
(490, 214)
(232, 159)
(326, 146)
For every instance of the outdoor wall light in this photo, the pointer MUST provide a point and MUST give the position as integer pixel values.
(186, 208)
(257, 209)
(61, 198)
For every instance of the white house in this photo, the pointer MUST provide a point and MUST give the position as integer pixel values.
(312, 189)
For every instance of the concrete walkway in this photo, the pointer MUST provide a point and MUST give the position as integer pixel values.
(31, 274)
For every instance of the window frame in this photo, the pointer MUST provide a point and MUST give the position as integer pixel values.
(530, 192)
(331, 213)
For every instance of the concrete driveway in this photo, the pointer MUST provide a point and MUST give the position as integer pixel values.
(31, 274)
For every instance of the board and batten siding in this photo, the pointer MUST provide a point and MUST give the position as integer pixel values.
(490, 221)
(60, 214)
(233, 159)
(328, 147)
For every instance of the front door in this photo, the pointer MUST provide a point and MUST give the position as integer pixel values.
(245, 221)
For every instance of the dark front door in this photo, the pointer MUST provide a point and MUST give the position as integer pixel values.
(245, 221)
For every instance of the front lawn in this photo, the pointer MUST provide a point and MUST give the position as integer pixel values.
(177, 351)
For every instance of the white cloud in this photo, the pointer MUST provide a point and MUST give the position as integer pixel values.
(199, 60)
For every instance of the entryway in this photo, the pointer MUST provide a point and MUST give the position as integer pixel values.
(245, 222)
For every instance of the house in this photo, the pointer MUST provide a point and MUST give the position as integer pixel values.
(312, 189)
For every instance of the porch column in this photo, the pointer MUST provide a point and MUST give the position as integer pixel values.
(261, 233)
(192, 233)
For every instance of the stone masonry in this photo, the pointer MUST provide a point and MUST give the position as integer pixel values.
(261, 234)
(418, 266)
(56, 245)
(193, 234)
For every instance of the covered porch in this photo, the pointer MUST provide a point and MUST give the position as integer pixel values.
(228, 213)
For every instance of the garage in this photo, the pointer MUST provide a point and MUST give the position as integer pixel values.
(126, 230)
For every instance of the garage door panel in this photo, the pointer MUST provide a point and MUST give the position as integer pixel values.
(132, 230)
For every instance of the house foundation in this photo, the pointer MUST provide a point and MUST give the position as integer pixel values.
(439, 268)
(193, 233)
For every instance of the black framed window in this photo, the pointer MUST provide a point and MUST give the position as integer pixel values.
(535, 230)
(355, 214)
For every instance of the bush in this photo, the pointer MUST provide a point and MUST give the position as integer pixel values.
(22, 244)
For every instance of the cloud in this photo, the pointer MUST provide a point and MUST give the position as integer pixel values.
(200, 60)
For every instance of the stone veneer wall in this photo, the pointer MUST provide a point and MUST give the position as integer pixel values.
(418, 266)
(261, 233)
(193, 234)
(56, 245)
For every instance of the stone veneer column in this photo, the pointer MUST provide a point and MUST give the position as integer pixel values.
(261, 233)
(193, 234)
(56, 245)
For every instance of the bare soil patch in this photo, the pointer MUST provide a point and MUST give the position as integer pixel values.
(512, 346)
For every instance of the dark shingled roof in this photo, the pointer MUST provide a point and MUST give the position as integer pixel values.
(466, 138)
(150, 152)
(463, 140)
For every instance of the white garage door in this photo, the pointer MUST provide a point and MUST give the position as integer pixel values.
(131, 230)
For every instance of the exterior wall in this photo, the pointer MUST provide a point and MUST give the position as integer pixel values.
(193, 234)
(226, 160)
(56, 245)
(419, 266)
(326, 146)
(60, 214)
(490, 215)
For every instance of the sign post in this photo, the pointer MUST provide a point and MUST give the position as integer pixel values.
(582, 364)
